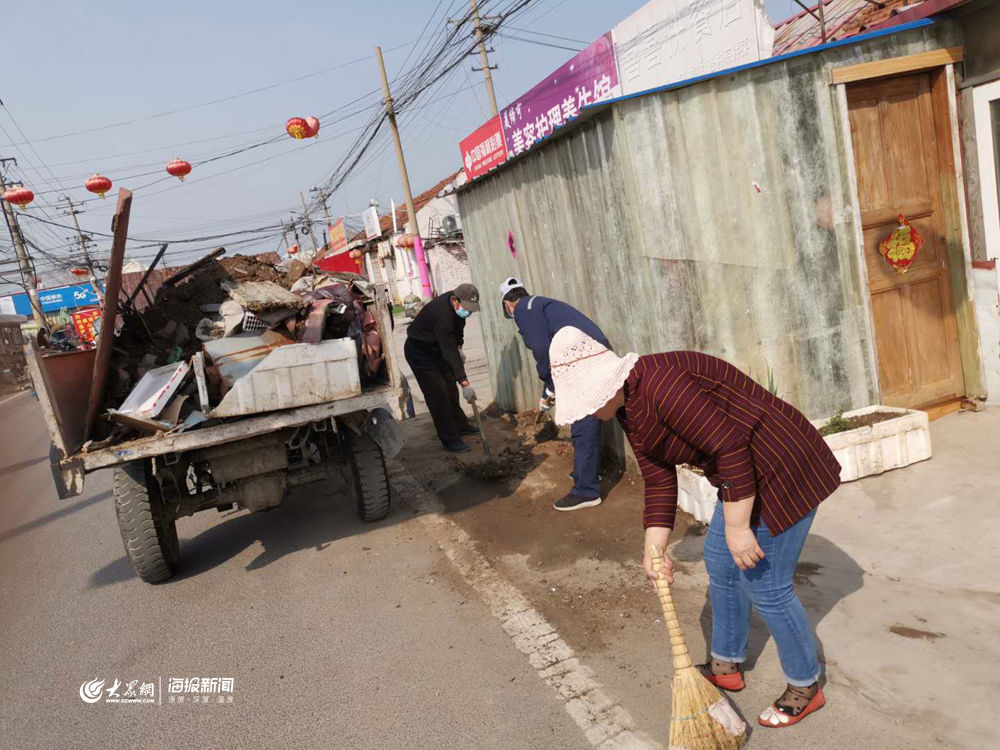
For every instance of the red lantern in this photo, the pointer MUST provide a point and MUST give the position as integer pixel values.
(19, 196)
(297, 127)
(178, 168)
(313, 124)
(98, 184)
(79, 271)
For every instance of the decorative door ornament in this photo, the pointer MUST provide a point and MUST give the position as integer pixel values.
(901, 247)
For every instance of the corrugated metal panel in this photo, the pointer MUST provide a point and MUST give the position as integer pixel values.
(843, 18)
(715, 217)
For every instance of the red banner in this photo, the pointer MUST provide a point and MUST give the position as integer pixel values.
(484, 150)
(83, 322)
(339, 262)
(338, 238)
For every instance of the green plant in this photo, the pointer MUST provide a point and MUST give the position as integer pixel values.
(837, 423)
(772, 384)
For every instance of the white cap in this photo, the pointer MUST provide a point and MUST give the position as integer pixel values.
(507, 285)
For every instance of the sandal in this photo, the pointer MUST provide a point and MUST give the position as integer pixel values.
(732, 681)
(793, 706)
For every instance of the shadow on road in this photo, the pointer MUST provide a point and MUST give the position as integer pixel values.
(55, 515)
(312, 517)
(14, 468)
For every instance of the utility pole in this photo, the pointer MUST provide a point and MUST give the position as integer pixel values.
(81, 237)
(309, 229)
(24, 260)
(84, 246)
(486, 60)
(411, 214)
(322, 198)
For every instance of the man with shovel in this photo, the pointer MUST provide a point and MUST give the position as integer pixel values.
(433, 350)
(538, 319)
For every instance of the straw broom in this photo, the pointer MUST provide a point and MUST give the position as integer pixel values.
(701, 717)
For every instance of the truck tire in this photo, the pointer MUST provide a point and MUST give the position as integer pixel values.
(371, 480)
(148, 531)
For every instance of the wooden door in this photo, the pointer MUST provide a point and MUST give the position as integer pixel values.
(900, 139)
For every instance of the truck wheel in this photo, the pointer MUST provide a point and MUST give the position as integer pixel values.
(371, 480)
(148, 531)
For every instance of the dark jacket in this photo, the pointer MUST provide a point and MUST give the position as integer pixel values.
(539, 318)
(439, 331)
(691, 408)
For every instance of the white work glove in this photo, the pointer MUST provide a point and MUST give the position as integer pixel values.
(469, 393)
(547, 401)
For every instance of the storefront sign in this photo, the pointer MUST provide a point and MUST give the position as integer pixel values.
(589, 77)
(667, 41)
(372, 228)
(337, 237)
(484, 150)
(53, 300)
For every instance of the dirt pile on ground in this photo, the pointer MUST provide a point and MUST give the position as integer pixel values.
(512, 461)
(840, 423)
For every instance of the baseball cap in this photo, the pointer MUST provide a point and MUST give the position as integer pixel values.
(505, 286)
(468, 296)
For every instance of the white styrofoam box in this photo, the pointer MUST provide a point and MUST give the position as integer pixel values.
(695, 494)
(987, 304)
(295, 375)
(883, 446)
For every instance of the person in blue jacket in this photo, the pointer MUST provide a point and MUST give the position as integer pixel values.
(538, 319)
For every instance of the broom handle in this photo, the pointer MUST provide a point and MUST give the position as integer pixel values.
(678, 647)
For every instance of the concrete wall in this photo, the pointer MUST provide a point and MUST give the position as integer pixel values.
(449, 265)
(716, 217)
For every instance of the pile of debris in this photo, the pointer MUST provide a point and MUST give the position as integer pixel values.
(230, 336)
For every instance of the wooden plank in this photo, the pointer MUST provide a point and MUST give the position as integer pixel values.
(242, 429)
(109, 312)
(943, 409)
(896, 65)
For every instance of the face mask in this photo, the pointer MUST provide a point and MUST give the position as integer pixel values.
(463, 313)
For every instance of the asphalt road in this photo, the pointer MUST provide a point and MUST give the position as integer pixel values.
(335, 634)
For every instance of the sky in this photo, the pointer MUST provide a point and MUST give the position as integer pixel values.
(85, 86)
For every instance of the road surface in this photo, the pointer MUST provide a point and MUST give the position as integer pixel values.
(336, 634)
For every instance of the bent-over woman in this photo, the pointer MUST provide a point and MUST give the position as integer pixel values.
(772, 469)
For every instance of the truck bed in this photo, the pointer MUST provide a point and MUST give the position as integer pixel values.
(238, 429)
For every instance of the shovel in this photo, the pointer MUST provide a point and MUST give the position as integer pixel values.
(479, 424)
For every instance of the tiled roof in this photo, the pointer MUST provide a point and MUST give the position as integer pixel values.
(844, 18)
(419, 201)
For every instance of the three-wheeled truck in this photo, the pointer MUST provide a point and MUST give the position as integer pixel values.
(247, 461)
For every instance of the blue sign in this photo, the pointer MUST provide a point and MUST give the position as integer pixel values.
(53, 300)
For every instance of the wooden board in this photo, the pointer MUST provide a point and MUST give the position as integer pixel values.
(943, 409)
(897, 65)
(109, 312)
(896, 132)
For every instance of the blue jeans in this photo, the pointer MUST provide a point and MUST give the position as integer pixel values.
(586, 436)
(768, 587)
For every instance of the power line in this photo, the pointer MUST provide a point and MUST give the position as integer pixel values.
(540, 43)
(167, 113)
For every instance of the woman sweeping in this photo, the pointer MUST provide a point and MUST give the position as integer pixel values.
(772, 469)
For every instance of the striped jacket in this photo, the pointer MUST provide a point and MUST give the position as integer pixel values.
(690, 408)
